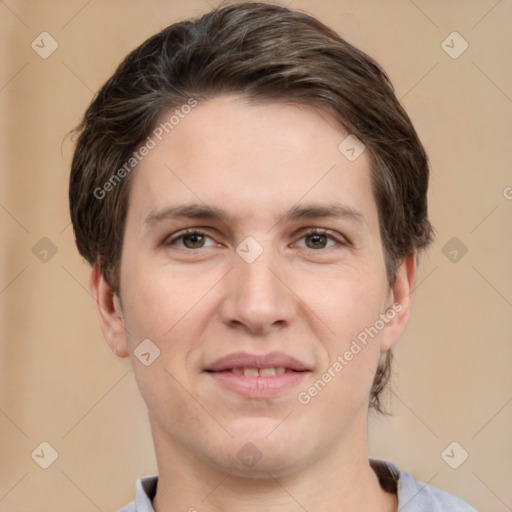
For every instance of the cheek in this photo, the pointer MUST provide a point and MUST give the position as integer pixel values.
(350, 306)
(351, 349)
(171, 309)
(347, 302)
(158, 299)
(162, 308)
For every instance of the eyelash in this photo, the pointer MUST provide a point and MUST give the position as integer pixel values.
(182, 234)
(339, 240)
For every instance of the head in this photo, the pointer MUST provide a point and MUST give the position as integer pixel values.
(234, 112)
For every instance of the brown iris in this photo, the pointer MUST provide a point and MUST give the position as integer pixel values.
(316, 241)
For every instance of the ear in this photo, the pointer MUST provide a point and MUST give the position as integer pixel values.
(109, 312)
(399, 303)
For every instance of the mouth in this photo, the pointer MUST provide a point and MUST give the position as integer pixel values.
(258, 375)
(260, 372)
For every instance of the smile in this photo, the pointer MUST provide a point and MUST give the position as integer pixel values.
(260, 372)
(258, 375)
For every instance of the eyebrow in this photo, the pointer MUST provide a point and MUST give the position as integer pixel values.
(186, 211)
(314, 211)
(203, 211)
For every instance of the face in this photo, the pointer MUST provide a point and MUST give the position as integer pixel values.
(253, 262)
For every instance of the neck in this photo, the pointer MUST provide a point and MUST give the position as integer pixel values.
(341, 480)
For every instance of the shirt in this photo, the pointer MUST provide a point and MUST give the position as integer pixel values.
(413, 496)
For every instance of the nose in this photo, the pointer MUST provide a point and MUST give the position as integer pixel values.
(258, 299)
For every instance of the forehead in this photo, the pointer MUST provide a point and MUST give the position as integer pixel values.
(250, 157)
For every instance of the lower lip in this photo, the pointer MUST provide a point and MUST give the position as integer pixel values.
(258, 387)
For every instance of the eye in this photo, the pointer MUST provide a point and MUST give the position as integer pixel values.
(190, 239)
(318, 239)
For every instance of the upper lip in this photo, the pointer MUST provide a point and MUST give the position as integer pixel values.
(246, 360)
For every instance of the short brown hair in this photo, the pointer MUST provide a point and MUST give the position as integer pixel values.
(265, 53)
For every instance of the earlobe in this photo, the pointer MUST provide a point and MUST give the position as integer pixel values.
(109, 312)
(399, 303)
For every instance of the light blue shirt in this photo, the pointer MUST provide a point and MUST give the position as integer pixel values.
(413, 496)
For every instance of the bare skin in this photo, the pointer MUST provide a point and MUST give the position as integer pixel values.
(307, 295)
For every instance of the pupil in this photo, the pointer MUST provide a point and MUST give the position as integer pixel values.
(317, 240)
(193, 241)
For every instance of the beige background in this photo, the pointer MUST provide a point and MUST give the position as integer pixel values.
(59, 383)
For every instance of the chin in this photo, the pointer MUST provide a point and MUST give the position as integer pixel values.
(259, 448)
(252, 463)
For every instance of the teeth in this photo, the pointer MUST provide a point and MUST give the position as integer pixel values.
(264, 372)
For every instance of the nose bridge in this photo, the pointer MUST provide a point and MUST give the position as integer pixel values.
(257, 281)
(257, 297)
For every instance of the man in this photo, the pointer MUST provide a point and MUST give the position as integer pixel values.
(252, 199)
